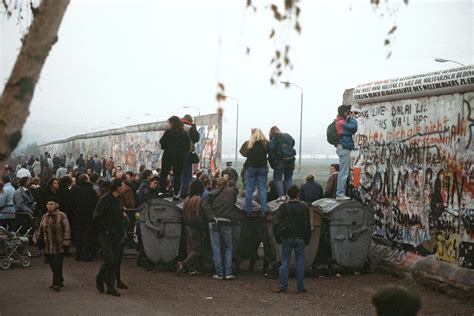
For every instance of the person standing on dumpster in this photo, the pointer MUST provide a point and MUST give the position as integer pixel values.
(292, 229)
(346, 127)
(187, 174)
(256, 169)
(175, 144)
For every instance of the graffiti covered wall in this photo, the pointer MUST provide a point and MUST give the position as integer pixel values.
(416, 170)
(132, 146)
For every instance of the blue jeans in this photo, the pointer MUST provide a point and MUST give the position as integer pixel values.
(344, 161)
(186, 176)
(259, 176)
(216, 232)
(287, 246)
(283, 170)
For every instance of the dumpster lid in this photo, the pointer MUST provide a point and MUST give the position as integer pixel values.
(328, 205)
(240, 203)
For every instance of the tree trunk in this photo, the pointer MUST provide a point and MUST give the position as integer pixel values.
(18, 92)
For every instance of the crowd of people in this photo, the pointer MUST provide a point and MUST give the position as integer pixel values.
(90, 203)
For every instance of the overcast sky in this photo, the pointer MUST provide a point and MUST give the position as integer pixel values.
(118, 59)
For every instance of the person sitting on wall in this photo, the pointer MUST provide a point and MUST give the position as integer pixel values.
(311, 190)
(331, 185)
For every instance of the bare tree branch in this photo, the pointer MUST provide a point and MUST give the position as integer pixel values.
(18, 92)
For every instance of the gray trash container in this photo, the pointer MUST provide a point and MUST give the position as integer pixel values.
(160, 225)
(350, 230)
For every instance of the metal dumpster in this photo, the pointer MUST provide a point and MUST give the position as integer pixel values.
(311, 250)
(160, 225)
(350, 225)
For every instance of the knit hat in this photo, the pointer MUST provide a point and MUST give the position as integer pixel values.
(52, 199)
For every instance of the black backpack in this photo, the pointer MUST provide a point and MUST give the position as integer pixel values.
(286, 150)
(331, 134)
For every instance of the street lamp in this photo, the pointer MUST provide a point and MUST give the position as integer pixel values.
(442, 60)
(193, 107)
(236, 129)
(287, 83)
(157, 117)
(133, 119)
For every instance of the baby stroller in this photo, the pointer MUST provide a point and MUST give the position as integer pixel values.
(14, 249)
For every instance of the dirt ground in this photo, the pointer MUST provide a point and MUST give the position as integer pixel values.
(25, 291)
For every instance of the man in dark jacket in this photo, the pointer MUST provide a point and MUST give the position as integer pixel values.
(109, 217)
(311, 190)
(80, 162)
(190, 129)
(219, 209)
(231, 172)
(292, 229)
(84, 200)
(150, 191)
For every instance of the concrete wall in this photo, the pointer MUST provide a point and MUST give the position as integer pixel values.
(132, 146)
(416, 159)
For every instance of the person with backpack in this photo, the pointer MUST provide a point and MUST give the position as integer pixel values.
(292, 229)
(281, 155)
(346, 127)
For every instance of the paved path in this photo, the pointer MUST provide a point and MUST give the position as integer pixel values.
(25, 292)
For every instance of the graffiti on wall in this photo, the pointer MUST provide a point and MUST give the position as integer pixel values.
(132, 149)
(416, 160)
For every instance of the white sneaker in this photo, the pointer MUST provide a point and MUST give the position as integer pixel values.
(194, 272)
(230, 277)
(217, 277)
(342, 198)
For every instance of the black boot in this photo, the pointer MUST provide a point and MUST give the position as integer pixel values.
(99, 284)
(113, 292)
(121, 285)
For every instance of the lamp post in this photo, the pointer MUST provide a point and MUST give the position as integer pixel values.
(287, 83)
(236, 129)
(133, 119)
(149, 114)
(442, 60)
(193, 107)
